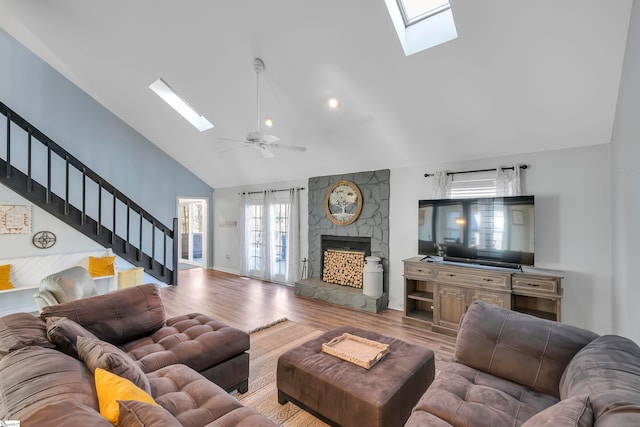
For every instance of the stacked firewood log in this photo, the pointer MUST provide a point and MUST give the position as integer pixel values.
(343, 267)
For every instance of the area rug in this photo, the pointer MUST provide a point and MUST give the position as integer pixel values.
(267, 344)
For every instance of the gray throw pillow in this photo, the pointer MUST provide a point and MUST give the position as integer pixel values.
(64, 333)
(99, 354)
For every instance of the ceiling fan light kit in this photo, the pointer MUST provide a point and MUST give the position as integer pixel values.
(258, 140)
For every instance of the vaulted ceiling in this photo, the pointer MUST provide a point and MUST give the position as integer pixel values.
(522, 76)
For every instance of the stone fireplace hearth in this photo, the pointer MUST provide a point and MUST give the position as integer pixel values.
(371, 229)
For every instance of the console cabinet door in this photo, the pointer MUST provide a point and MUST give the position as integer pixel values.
(450, 306)
(495, 298)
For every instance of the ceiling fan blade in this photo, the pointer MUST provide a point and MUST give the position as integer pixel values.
(288, 147)
(269, 139)
(264, 151)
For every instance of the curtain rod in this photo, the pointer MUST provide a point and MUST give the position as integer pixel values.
(284, 189)
(479, 170)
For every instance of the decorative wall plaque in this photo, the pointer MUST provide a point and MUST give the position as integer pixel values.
(43, 239)
(15, 219)
(343, 202)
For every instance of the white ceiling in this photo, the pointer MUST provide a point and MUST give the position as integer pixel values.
(522, 76)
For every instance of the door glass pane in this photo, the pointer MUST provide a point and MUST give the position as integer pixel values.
(281, 217)
(255, 238)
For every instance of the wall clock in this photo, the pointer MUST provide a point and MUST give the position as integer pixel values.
(343, 202)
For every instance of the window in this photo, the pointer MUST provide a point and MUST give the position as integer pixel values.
(422, 24)
(471, 188)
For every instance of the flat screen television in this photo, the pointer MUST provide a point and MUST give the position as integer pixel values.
(491, 231)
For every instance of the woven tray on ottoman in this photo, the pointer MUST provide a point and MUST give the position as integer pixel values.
(343, 393)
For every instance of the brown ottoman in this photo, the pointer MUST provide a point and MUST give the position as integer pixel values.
(342, 393)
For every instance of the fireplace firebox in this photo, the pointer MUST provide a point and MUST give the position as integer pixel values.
(343, 243)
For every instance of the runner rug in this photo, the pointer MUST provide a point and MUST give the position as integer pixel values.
(267, 344)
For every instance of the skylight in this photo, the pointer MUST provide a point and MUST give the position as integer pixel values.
(416, 10)
(422, 24)
(164, 91)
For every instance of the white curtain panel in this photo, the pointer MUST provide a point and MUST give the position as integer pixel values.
(293, 234)
(508, 181)
(442, 181)
(245, 202)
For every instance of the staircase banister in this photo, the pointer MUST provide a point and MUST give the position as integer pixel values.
(81, 167)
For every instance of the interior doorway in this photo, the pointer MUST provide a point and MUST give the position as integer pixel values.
(192, 223)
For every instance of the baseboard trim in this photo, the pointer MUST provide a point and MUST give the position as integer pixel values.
(225, 270)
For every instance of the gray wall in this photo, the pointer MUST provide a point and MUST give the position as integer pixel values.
(625, 195)
(93, 134)
(373, 220)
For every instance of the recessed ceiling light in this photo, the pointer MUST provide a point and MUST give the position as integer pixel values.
(164, 91)
(268, 121)
(334, 102)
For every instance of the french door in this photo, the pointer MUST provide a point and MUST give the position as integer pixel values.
(268, 236)
(192, 218)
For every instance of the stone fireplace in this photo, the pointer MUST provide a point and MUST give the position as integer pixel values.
(370, 232)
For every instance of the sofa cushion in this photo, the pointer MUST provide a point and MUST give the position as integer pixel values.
(21, 330)
(99, 354)
(33, 377)
(460, 394)
(608, 370)
(116, 317)
(195, 340)
(111, 388)
(140, 414)
(500, 342)
(64, 333)
(65, 414)
(196, 401)
(572, 412)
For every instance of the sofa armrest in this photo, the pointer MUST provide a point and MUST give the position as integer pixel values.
(501, 342)
(44, 298)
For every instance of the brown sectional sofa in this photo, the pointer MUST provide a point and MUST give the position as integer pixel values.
(187, 363)
(512, 369)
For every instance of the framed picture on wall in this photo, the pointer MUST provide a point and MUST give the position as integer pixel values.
(15, 219)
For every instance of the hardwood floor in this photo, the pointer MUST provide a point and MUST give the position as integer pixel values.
(250, 303)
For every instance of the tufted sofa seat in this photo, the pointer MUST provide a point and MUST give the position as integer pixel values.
(193, 400)
(198, 341)
(134, 320)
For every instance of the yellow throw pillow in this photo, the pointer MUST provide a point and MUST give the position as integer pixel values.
(111, 388)
(100, 267)
(5, 277)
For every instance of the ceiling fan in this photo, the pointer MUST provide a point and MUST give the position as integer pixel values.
(259, 140)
